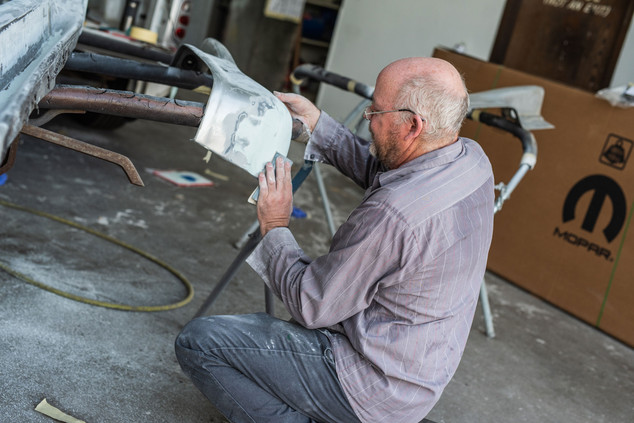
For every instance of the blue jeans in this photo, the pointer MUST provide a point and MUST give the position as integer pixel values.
(256, 368)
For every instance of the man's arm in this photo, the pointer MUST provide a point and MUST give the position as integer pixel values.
(340, 284)
(332, 143)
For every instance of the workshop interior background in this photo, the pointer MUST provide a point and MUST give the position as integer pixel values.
(561, 267)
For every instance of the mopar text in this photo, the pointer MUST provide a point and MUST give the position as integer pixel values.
(583, 243)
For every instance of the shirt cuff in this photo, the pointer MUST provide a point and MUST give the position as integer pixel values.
(322, 138)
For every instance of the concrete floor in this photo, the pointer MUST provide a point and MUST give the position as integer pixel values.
(103, 365)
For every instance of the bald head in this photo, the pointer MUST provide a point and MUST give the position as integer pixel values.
(437, 69)
(431, 87)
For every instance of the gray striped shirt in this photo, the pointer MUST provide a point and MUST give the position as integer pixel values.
(399, 286)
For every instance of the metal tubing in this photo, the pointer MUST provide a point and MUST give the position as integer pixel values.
(506, 191)
(95, 38)
(124, 103)
(235, 265)
(486, 310)
(245, 237)
(131, 69)
(47, 116)
(324, 199)
(356, 113)
(269, 301)
(88, 149)
(129, 15)
(246, 250)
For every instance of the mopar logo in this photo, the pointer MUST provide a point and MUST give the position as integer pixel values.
(601, 188)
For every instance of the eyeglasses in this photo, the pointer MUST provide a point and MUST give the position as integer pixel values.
(367, 113)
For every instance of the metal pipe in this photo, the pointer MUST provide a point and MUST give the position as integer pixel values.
(49, 115)
(157, 16)
(129, 15)
(269, 301)
(252, 242)
(10, 159)
(95, 38)
(124, 103)
(131, 69)
(325, 200)
(88, 149)
(235, 265)
(486, 310)
(506, 190)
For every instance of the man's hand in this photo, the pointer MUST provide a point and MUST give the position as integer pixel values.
(300, 108)
(276, 196)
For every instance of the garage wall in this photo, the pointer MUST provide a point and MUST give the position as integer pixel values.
(624, 71)
(369, 34)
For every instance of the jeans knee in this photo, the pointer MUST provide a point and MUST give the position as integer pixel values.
(194, 329)
(190, 340)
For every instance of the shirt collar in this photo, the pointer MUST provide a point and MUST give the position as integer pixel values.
(439, 157)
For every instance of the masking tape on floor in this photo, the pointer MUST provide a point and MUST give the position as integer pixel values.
(52, 412)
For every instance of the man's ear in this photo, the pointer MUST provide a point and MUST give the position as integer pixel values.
(417, 124)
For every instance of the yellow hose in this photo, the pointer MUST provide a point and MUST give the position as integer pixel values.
(185, 282)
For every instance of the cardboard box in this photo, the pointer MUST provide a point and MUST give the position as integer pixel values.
(564, 233)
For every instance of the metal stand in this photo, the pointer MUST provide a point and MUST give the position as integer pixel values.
(252, 241)
(486, 310)
(248, 248)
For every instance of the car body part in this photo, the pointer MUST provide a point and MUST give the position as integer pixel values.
(244, 123)
(10, 159)
(37, 37)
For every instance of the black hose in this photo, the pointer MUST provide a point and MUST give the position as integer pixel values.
(320, 74)
(102, 40)
(529, 146)
(131, 69)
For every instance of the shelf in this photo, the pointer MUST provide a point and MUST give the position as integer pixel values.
(313, 38)
(323, 3)
(315, 43)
